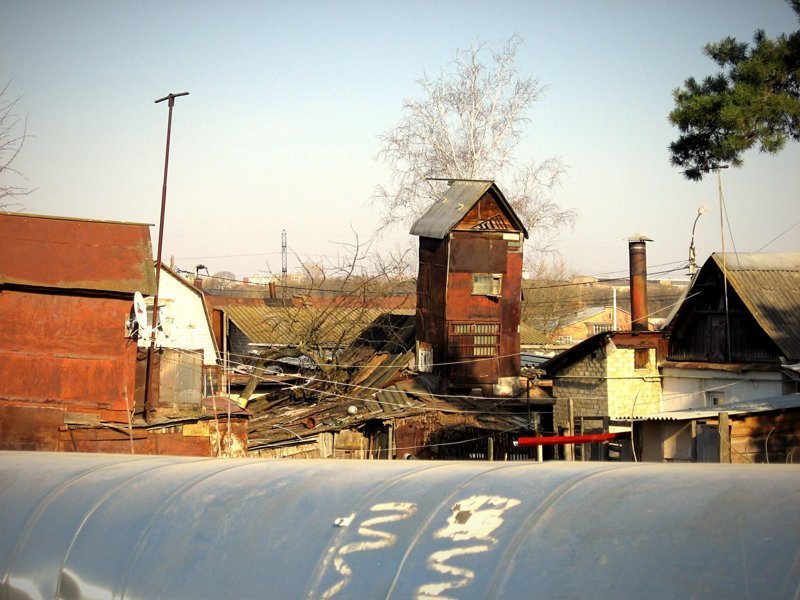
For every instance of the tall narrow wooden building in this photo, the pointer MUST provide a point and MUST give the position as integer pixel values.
(469, 288)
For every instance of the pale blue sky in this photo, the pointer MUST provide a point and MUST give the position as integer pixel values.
(287, 99)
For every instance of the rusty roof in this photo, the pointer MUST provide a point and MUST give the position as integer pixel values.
(76, 254)
(292, 325)
(769, 285)
(528, 336)
(375, 380)
(459, 198)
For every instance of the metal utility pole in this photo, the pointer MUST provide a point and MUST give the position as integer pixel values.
(284, 263)
(148, 404)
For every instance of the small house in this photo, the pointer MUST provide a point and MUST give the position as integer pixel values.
(736, 335)
(469, 288)
(583, 324)
(71, 374)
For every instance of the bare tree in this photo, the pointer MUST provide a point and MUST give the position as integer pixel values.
(548, 293)
(340, 298)
(13, 132)
(468, 124)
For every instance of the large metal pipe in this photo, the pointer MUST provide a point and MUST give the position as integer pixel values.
(637, 253)
(101, 526)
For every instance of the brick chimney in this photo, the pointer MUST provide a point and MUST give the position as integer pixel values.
(638, 267)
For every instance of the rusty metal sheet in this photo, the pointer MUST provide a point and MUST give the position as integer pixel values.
(477, 253)
(443, 215)
(76, 254)
(66, 350)
(30, 428)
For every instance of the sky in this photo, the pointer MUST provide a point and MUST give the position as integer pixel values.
(287, 99)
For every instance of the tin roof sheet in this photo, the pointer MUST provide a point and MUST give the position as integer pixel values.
(459, 198)
(734, 408)
(528, 336)
(291, 325)
(769, 285)
(76, 254)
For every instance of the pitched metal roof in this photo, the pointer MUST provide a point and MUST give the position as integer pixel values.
(75, 254)
(528, 336)
(459, 198)
(734, 408)
(769, 285)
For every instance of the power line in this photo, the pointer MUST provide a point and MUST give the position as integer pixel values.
(780, 235)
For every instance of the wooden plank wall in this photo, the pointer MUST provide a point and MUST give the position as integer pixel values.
(766, 438)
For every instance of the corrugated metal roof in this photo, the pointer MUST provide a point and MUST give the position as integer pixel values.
(769, 285)
(734, 408)
(459, 198)
(291, 325)
(76, 254)
(528, 336)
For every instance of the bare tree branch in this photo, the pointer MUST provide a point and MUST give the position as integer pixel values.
(13, 133)
(468, 123)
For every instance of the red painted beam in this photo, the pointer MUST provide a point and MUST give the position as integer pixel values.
(555, 440)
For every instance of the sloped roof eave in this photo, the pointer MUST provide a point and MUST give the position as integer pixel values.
(444, 214)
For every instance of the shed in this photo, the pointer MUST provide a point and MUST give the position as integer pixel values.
(68, 358)
(66, 291)
(754, 431)
(469, 288)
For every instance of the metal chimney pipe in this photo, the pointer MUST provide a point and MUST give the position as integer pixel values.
(638, 268)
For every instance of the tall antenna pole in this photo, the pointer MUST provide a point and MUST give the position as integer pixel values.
(728, 357)
(149, 409)
(283, 265)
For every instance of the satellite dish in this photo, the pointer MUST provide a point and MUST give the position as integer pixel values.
(140, 313)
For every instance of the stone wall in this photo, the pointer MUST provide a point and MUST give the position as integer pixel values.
(632, 391)
(606, 384)
(586, 384)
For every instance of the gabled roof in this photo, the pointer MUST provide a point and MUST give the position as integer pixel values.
(768, 284)
(576, 352)
(75, 254)
(459, 198)
(599, 340)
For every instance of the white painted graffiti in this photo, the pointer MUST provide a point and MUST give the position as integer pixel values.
(393, 511)
(471, 523)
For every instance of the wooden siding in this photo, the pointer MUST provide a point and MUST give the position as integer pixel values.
(699, 331)
(484, 209)
(762, 438)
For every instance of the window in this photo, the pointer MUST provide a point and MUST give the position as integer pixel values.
(715, 398)
(474, 339)
(484, 284)
(514, 242)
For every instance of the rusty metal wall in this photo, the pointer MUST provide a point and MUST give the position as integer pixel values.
(56, 252)
(467, 250)
(68, 351)
(91, 526)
